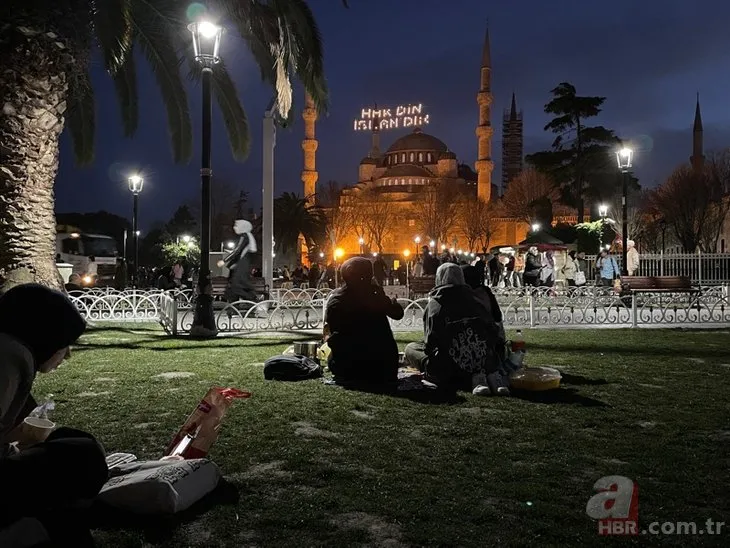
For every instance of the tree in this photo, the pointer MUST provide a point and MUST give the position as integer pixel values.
(181, 251)
(182, 223)
(638, 203)
(690, 201)
(46, 48)
(378, 213)
(294, 217)
(580, 153)
(718, 175)
(476, 219)
(526, 197)
(436, 209)
(339, 217)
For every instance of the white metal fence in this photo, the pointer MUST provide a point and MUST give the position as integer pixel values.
(701, 268)
(532, 307)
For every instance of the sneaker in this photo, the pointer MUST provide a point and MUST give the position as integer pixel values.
(481, 390)
(503, 391)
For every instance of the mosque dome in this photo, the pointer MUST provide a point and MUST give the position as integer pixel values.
(418, 141)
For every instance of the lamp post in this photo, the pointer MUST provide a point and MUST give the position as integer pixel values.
(417, 241)
(623, 158)
(136, 183)
(361, 241)
(406, 254)
(663, 227)
(206, 47)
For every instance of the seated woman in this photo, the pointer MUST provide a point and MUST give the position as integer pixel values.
(461, 337)
(362, 343)
(37, 326)
(485, 295)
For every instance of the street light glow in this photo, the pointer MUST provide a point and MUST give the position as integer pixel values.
(406, 253)
(417, 239)
(603, 210)
(339, 252)
(186, 238)
(207, 29)
(431, 244)
(321, 255)
(136, 182)
(361, 241)
(623, 158)
(535, 227)
(230, 245)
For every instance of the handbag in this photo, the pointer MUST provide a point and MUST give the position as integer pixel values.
(580, 278)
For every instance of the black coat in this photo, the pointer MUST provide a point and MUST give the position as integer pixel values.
(362, 343)
(239, 276)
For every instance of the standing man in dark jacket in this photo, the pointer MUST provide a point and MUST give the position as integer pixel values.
(430, 262)
(379, 268)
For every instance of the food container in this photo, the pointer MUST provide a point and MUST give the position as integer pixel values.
(306, 348)
(535, 379)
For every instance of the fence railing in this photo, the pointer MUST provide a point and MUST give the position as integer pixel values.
(701, 268)
(298, 310)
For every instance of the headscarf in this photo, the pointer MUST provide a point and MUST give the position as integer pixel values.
(449, 274)
(630, 243)
(247, 228)
(43, 320)
(357, 272)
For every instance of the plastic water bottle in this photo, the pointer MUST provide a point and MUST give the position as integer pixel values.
(518, 342)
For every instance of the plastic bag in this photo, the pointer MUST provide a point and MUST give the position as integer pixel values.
(200, 430)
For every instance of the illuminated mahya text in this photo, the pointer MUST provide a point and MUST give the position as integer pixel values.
(391, 118)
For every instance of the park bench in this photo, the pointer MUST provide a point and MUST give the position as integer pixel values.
(221, 282)
(421, 286)
(657, 284)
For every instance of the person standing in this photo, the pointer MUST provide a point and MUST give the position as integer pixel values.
(632, 258)
(607, 269)
(430, 262)
(379, 268)
(177, 274)
(570, 268)
(533, 265)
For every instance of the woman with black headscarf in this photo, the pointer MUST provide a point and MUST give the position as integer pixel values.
(37, 327)
(362, 343)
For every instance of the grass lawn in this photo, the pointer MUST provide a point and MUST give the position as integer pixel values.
(317, 465)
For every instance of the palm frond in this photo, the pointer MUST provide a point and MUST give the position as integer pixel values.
(125, 83)
(155, 30)
(80, 115)
(234, 116)
(113, 31)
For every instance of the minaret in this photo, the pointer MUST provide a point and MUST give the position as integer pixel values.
(309, 146)
(484, 164)
(375, 149)
(512, 144)
(697, 159)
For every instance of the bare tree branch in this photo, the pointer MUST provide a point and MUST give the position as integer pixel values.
(525, 192)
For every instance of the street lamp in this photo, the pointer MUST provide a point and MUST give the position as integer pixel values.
(623, 158)
(417, 241)
(361, 241)
(535, 227)
(136, 182)
(206, 47)
(431, 244)
(603, 211)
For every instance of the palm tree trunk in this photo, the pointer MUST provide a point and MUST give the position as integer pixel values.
(33, 90)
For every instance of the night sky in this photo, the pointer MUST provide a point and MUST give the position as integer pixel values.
(648, 58)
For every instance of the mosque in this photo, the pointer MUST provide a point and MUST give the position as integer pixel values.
(417, 161)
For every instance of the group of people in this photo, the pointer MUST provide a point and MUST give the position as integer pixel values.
(463, 334)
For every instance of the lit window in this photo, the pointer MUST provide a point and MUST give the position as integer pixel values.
(403, 158)
(411, 222)
(429, 158)
(413, 157)
(420, 156)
